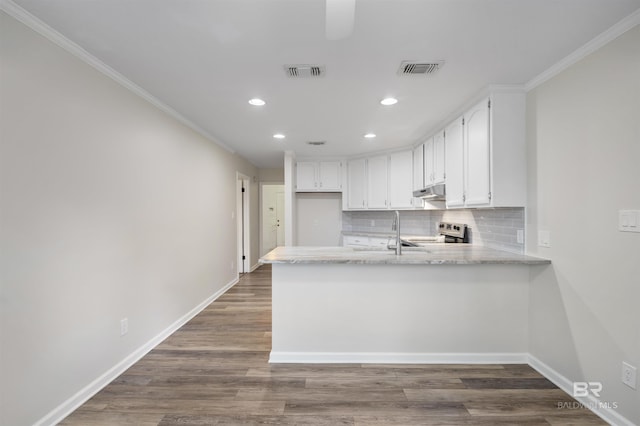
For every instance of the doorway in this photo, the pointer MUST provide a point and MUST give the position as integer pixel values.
(242, 215)
(272, 213)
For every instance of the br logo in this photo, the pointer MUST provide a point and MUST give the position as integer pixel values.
(584, 388)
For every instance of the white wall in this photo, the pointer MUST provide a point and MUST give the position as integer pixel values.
(584, 165)
(109, 209)
(319, 220)
(271, 175)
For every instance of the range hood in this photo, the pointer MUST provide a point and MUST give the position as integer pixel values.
(431, 192)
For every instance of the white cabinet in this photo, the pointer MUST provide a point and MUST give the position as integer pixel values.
(364, 241)
(306, 176)
(381, 182)
(379, 242)
(400, 180)
(377, 182)
(455, 164)
(434, 159)
(356, 184)
(355, 241)
(485, 154)
(439, 158)
(318, 176)
(477, 161)
(418, 167)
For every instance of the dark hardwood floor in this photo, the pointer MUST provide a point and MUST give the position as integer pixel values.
(214, 371)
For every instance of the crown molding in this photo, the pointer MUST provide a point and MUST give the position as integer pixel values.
(54, 36)
(596, 43)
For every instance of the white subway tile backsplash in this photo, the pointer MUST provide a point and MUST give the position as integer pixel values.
(496, 228)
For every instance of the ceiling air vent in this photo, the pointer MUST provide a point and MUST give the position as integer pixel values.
(316, 143)
(304, 71)
(419, 67)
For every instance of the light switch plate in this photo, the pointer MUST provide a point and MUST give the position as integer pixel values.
(629, 220)
(544, 238)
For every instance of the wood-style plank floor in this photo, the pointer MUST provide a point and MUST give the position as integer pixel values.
(214, 371)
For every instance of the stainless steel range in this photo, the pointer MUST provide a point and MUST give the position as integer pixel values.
(447, 233)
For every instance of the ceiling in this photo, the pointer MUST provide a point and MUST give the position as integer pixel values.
(206, 59)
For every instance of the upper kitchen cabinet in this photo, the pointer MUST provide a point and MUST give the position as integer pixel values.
(418, 167)
(401, 180)
(381, 182)
(318, 176)
(454, 146)
(377, 182)
(477, 156)
(485, 154)
(434, 159)
(355, 196)
(438, 157)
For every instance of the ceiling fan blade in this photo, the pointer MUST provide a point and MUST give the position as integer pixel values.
(339, 18)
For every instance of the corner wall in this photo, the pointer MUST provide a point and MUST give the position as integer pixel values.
(583, 130)
(110, 209)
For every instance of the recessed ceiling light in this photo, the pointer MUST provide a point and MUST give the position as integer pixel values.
(370, 135)
(278, 136)
(256, 102)
(389, 101)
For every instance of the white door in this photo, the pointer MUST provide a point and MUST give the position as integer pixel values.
(279, 219)
(356, 184)
(454, 159)
(477, 147)
(377, 180)
(400, 180)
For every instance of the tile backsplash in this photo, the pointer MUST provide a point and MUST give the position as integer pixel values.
(495, 228)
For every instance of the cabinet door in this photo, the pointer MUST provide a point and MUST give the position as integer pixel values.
(454, 157)
(438, 157)
(306, 179)
(377, 176)
(477, 148)
(329, 176)
(428, 162)
(418, 167)
(356, 184)
(400, 180)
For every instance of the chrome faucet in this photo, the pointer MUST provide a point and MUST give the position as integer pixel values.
(396, 227)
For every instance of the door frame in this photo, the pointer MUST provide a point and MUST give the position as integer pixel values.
(243, 230)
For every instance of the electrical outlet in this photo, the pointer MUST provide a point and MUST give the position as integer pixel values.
(629, 375)
(520, 236)
(124, 326)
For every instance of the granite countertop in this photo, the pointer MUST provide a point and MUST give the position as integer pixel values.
(436, 254)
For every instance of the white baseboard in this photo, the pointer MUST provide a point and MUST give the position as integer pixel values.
(396, 358)
(600, 408)
(254, 267)
(67, 407)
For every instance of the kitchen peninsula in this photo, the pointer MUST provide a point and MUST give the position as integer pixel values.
(455, 303)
